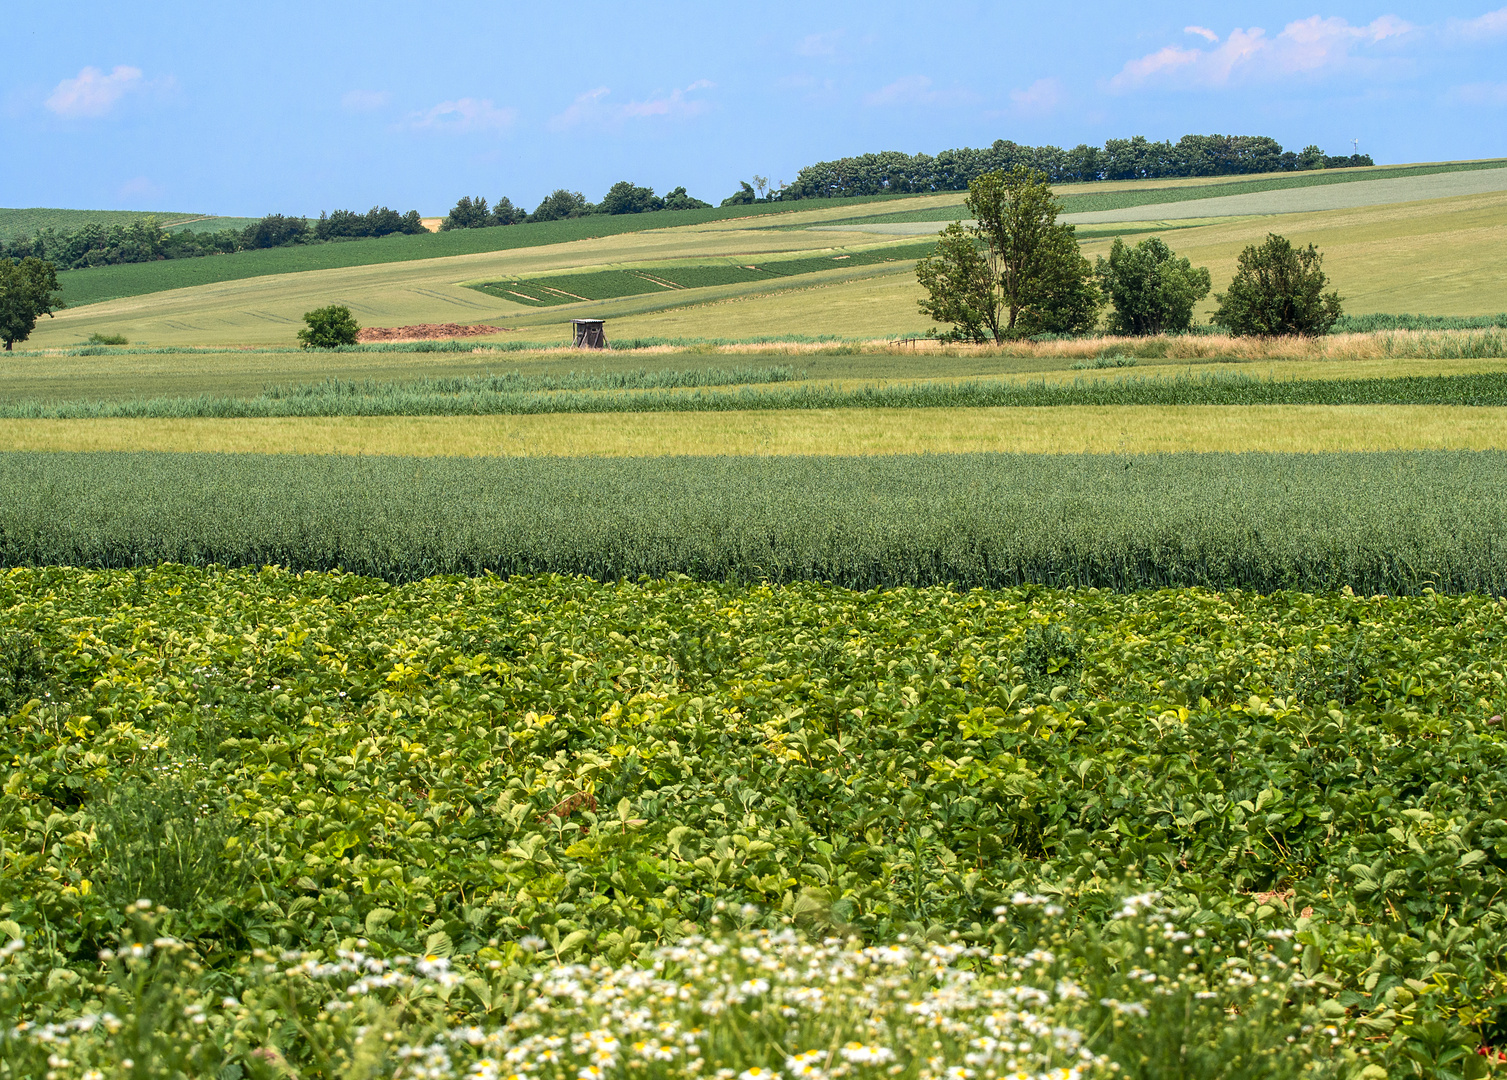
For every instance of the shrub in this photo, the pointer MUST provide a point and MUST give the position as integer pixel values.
(1151, 290)
(106, 339)
(328, 328)
(1278, 289)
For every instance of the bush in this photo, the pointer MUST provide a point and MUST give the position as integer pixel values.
(107, 339)
(328, 328)
(276, 230)
(1152, 291)
(1278, 289)
(679, 200)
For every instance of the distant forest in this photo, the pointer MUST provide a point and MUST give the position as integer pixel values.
(893, 172)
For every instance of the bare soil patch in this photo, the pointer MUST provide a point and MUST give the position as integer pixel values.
(426, 332)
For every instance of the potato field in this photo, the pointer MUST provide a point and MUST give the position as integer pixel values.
(1007, 832)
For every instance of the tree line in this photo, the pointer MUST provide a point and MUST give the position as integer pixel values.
(147, 240)
(624, 197)
(1119, 159)
(1016, 271)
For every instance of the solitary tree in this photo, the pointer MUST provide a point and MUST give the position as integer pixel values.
(27, 292)
(1152, 290)
(1015, 271)
(1278, 289)
(328, 327)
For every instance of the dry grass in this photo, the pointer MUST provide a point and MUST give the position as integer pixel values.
(1107, 429)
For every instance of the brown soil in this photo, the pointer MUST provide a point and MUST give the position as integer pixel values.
(426, 332)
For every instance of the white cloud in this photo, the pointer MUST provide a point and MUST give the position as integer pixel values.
(1312, 46)
(1042, 96)
(593, 109)
(1488, 94)
(93, 93)
(465, 116)
(1202, 31)
(1491, 25)
(916, 90)
(364, 100)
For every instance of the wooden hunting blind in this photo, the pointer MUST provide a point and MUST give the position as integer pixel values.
(589, 333)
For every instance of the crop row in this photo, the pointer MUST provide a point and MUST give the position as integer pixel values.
(612, 284)
(755, 389)
(1396, 522)
(496, 773)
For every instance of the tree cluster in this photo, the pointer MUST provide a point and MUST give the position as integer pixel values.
(1015, 272)
(624, 197)
(146, 240)
(1119, 159)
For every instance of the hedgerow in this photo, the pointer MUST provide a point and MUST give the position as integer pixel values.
(498, 775)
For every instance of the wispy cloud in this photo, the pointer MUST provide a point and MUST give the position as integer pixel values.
(92, 93)
(593, 109)
(1202, 31)
(1041, 97)
(464, 116)
(916, 90)
(365, 100)
(1313, 46)
(1484, 28)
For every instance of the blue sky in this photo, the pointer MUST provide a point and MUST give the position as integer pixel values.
(246, 109)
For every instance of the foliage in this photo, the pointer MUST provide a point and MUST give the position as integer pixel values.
(476, 769)
(962, 286)
(1151, 290)
(505, 213)
(28, 290)
(626, 198)
(468, 214)
(328, 327)
(1278, 289)
(107, 339)
(277, 230)
(1015, 271)
(561, 204)
(744, 196)
(1119, 159)
(378, 221)
(1222, 520)
(677, 199)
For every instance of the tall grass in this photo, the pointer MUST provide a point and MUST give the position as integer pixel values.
(1397, 522)
(758, 390)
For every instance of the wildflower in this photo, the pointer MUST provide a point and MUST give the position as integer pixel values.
(758, 1073)
(859, 1054)
(531, 943)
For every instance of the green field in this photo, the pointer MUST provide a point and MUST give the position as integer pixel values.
(1083, 199)
(1439, 256)
(345, 828)
(777, 695)
(1252, 520)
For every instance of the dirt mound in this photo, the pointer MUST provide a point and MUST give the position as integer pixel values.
(425, 332)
